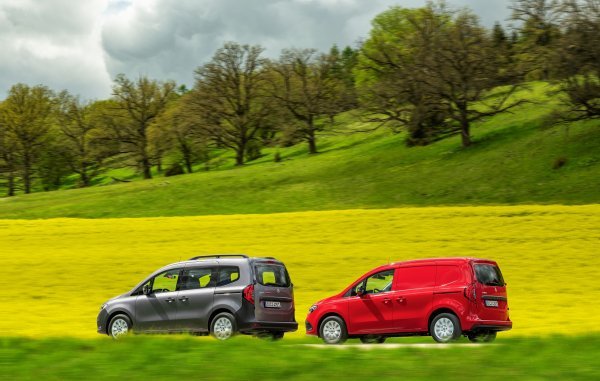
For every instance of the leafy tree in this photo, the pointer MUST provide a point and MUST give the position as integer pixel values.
(79, 123)
(538, 32)
(305, 85)
(390, 70)
(26, 117)
(229, 97)
(136, 104)
(183, 133)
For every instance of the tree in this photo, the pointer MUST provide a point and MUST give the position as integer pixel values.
(305, 85)
(8, 158)
(463, 72)
(577, 60)
(229, 97)
(183, 133)
(389, 71)
(538, 32)
(135, 106)
(79, 124)
(26, 117)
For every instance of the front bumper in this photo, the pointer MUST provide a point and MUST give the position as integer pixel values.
(102, 322)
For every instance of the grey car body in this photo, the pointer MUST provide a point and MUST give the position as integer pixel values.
(187, 296)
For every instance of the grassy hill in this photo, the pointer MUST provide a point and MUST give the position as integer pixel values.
(511, 162)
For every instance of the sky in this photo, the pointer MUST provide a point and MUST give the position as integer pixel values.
(81, 45)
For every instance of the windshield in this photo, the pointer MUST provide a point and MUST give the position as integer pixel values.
(489, 275)
(272, 275)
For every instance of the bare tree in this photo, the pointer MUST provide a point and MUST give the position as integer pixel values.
(136, 105)
(305, 85)
(229, 97)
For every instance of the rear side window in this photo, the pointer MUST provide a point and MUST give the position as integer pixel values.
(489, 275)
(408, 278)
(272, 275)
(448, 274)
(227, 275)
(198, 278)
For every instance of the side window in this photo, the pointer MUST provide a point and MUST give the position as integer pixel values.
(227, 275)
(447, 275)
(409, 278)
(165, 281)
(376, 283)
(195, 278)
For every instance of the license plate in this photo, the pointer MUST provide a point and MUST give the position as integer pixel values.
(491, 303)
(269, 304)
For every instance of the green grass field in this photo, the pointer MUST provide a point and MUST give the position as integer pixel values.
(511, 162)
(187, 358)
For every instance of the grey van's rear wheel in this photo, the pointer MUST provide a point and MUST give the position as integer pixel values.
(445, 328)
(119, 326)
(223, 326)
(333, 330)
(486, 337)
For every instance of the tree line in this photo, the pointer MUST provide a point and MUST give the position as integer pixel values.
(430, 72)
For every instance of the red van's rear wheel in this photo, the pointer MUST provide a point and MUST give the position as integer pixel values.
(445, 328)
(482, 337)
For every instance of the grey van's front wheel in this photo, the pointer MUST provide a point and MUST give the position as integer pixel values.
(223, 326)
(445, 328)
(119, 326)
(333, 330)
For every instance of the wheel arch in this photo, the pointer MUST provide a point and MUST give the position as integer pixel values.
(115, 313)
(441, 310)
(217, 311)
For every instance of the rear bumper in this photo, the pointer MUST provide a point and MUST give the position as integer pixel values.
(487, 325)
(268, 326)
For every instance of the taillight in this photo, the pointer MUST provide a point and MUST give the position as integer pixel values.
(249, 293)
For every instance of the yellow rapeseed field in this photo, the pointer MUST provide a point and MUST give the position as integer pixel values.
(56, 273)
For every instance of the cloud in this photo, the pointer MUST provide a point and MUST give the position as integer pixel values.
(82, 45)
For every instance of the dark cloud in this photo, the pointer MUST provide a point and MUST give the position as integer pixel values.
(81, 45)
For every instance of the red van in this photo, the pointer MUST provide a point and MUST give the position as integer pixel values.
(444, 298)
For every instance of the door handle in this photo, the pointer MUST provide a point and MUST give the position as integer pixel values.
(401, 299)
(170, 300)
(386, 301)
(184, 299)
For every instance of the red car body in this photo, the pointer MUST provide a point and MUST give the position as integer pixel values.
(417, 293)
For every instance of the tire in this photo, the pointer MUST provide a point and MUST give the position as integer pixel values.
(223, 326)
(445, 328)
(120, 326)
(484, 337)
(333, 330)
(372, 339)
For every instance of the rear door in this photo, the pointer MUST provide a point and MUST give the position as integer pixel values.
(491, 300)
(413, 296)
(195, 298)
(273, 292)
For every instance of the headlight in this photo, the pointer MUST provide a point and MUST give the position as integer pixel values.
(312, 308)
(103, 306)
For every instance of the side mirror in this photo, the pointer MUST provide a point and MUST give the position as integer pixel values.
(146, 289)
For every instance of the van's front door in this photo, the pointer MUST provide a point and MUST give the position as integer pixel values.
(371, 305)
(157, 310)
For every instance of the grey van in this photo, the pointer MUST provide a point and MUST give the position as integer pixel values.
(221, 295)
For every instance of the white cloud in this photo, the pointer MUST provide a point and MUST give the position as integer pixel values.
(81, 45)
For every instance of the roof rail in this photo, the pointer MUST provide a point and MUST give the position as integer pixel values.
(218, 256)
